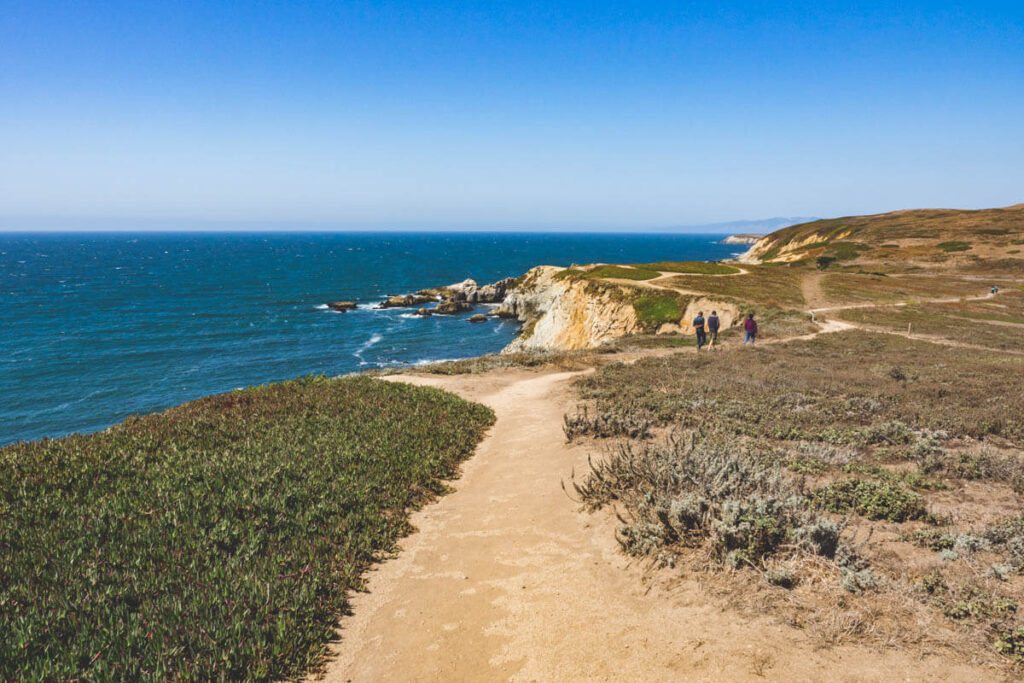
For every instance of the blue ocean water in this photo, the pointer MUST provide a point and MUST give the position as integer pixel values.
(96, 327)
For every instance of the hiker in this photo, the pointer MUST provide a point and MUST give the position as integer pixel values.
(698, 327)
(751, 327)
(994, 289)
(713, 325)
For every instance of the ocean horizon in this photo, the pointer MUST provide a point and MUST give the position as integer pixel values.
(100, 326)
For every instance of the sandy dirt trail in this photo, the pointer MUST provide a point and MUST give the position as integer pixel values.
(506, 579)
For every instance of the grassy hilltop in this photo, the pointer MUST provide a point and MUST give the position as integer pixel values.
(922, 237)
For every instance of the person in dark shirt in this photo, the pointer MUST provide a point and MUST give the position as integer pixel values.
(713, 325)
(750, 326)
(698, 327)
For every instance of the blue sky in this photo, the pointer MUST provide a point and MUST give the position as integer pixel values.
(502, 115)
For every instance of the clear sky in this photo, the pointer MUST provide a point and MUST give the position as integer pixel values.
(171, 113)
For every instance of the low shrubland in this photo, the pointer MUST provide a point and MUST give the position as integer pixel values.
(873, 472)
(939, 322)
(774, 285)
(215, 540)
(854, 287)
(838, 389)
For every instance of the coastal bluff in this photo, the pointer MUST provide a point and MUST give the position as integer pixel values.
(559, 313)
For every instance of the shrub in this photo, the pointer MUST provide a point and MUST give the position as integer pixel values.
(631, 424)
(954, 245)
(971, 601)
(1011, 643)
(823, 262)
(215, 540)
(871, 499)
(933, 539)
(780, 576)
(703, 490)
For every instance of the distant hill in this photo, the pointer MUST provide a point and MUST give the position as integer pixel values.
(921, 236)
(761, 226)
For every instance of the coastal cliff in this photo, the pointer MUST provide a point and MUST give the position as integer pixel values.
(565, 314)
(565, 310)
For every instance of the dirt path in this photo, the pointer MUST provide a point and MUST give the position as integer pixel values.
(506, 579)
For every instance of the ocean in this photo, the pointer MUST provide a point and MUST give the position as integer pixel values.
(97, 327)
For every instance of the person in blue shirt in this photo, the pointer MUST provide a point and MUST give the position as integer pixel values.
(698, 327)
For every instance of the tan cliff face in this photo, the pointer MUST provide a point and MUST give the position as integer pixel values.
(791, 251)
(570, 314)
(564, 314)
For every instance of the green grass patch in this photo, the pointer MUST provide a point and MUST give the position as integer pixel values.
(871, 499)
(215, 540)
(620, 272)
(654, 310)
(691, 267)
(954, 245)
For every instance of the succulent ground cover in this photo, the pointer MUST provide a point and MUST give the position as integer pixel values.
(860, 486)
(215, 540)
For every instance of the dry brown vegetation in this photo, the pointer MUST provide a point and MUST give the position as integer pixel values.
(847, 287)
(863, 487)
(775, 285)
(943, 323)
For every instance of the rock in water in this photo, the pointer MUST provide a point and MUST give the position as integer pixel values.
(406, 301)
(494, 293)
(453, 307)
(342, 306)
(477, 318)
(460, 291)
(424, 312)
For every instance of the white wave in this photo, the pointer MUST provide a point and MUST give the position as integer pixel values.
(431, 361)
(322, 307)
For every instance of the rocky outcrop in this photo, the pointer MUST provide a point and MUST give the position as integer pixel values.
(407, 300)
(342, 306)
(452, 307)
(425, 312)
(468, 290)
(747, 238)
(477, 318)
